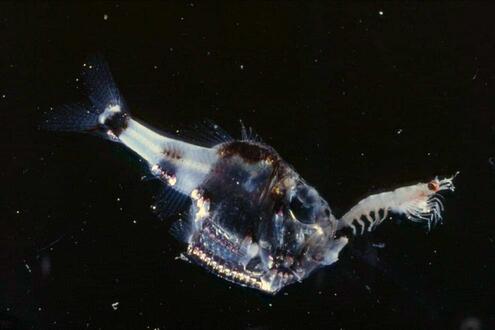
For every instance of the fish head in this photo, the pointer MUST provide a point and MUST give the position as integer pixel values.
(300, 236)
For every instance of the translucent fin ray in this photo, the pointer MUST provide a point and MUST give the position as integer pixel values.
(104, 102)
(206, 134)
(169, 202)
(248, 134)
(101, 87)
(71, 118)
(181, 230)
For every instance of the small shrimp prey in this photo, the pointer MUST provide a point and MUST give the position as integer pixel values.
(251, 218)
(421, 202)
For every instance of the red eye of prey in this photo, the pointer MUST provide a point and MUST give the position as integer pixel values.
(432, 186)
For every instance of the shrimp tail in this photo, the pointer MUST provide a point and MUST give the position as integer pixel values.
(420, 203)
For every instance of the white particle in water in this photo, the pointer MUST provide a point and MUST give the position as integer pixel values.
(182, 257)
(115, 305)
(4, 96)
(380, 13)
(105, 17)
(242, 67)
(398, 131)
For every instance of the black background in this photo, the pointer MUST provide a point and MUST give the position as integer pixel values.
(357, 100)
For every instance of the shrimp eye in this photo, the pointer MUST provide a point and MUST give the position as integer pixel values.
(432, 186)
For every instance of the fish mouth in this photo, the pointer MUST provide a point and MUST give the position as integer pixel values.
(269, 282)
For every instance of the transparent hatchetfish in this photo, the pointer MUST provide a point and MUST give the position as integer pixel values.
(251, 218)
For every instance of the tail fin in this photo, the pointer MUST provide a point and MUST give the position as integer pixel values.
(106, 113)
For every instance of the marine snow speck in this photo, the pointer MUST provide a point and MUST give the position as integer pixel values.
(252, 218)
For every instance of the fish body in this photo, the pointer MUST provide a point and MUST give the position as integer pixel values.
(252, 219)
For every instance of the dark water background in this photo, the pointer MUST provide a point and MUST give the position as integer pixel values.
(358, 97)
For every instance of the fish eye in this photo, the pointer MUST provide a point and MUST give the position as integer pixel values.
(302, 205)
(302, 212)
(306, 195)
(296, 204)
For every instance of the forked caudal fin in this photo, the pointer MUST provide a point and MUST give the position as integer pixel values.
(421, 202)
(179, 165)
(106, 113)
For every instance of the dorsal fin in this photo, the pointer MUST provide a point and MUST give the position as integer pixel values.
(248, 134)
(205, 133)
